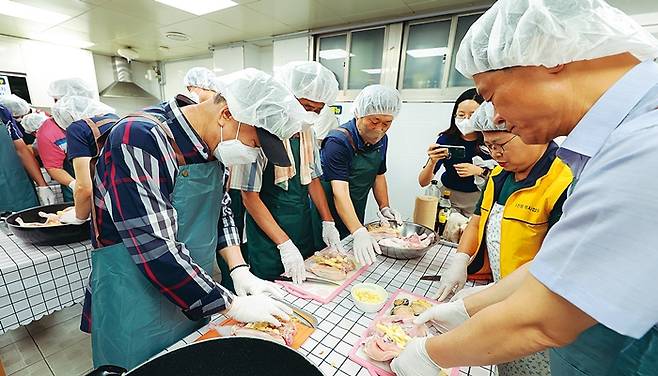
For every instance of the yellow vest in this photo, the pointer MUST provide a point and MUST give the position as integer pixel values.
(526, 213)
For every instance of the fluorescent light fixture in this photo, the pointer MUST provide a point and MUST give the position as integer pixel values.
(334, 54)
(427, 52)
(199, 7)
(28, 12)
(372, 71)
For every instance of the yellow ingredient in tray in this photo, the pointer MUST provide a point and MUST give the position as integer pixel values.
(395, 333)
(367, 296)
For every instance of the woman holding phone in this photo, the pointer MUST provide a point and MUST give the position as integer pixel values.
(460, 171)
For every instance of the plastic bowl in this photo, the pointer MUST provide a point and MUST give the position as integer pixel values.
(366, 306)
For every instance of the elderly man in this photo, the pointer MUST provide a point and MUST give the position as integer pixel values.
(160, 214)
(354, 162)
(276, 198)
(580, 69)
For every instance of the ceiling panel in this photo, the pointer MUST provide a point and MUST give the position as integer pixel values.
(20, 27)
(201, 31)
(149, 10)
(105, 25)
(299, 14)
(247, 21)
(351, 8)
(437, 6)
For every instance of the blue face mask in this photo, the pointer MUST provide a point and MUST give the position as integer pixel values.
(234, 152)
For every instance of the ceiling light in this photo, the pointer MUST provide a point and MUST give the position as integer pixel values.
(199, 7)
(372, 71)
(178, 37)
(218, 69)
(427, 52)
(28, 12)
(333, 54)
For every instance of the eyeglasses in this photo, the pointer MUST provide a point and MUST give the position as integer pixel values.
(497, 148)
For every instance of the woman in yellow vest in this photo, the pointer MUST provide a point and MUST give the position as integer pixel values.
(523, 198)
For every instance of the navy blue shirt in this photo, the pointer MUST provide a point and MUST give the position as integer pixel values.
(8, 121)
(80, 139)
(337, 152)
(450, 179)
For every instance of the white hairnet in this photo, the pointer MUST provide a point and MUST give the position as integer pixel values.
(70, 86)
(309, 80)
(32, 122)
(549, 33)
(377, 100)
(256, 98)
(17, 105)
(483, 119)
(326, 122)
(202, 78)
(73, 108)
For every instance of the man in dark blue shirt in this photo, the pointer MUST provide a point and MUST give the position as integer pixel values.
(354, 162)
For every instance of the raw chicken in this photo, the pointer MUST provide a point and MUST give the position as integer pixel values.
(391, 335)
(52, 219)
(284, 334)
(413, 241)
(330, 264)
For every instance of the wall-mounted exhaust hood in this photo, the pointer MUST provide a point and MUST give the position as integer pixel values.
(123, 85)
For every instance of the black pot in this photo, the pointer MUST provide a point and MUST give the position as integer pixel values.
(55, 235)
(230, 356)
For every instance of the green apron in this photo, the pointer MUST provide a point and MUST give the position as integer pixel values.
(16, 189)
(600, 351)
(67, 193)
(238, 217)
(365, 167)
(290, 211)
(131, 319)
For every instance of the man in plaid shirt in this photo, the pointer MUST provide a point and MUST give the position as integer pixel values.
(134, 203)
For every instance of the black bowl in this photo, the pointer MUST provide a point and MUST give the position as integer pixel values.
(55, 235)
(229, 356)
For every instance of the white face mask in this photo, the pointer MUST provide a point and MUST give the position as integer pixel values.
(465, 126)
(193, 96)
(234, 152)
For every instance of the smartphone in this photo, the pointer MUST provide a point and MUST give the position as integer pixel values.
(454, 150)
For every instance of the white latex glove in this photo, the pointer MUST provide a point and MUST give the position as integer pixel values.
(46, 195)
(454, 278)
(414, 360)
(331, 236)
(70, 218)
(387, 214)
(246, 283)
(293, 262)
(72, 185)
(365, 247)
(255, 308)
(446, 316)
(468, 292)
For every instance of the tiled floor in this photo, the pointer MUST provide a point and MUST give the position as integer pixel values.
(53, 345)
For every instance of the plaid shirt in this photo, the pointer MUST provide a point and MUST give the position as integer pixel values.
(133, 185)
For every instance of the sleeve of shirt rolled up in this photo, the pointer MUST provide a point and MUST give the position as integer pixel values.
(602, 254)
(147, 223)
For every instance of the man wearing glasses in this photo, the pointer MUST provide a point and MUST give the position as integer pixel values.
(523, 198)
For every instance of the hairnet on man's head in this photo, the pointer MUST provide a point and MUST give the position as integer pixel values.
(202, 78)
(256, 98)
(73, 108)
(377, 100)
(17, 105)
(483, 119)
(70, 86)
(548, 33)
(32, 122)
(309, 80)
